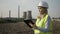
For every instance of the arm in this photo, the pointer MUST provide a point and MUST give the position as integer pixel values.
(46, 29)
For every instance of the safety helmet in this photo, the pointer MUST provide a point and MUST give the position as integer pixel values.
(43, 4)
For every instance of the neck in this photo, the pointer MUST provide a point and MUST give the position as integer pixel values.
(42, 15)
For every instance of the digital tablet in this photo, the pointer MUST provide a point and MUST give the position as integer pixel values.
(29, 21)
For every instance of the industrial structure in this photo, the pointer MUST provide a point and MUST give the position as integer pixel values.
(24, 14)
(18, 11)
(9, 13)
(27, 15)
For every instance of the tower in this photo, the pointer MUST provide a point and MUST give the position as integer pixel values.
(18, 11)
(24, 15)
(9, 13)
(29, 16)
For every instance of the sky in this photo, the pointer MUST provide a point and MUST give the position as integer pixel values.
(25, 5)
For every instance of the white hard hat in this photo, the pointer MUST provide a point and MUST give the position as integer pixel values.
(43, 4)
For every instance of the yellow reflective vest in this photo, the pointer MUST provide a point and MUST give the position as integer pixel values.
(41, 23)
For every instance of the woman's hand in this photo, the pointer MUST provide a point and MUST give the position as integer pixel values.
(34, 26)
(31, 24)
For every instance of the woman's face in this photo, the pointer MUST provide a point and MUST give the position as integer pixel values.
(42, 10)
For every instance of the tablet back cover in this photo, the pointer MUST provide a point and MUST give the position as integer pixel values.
(28, 21)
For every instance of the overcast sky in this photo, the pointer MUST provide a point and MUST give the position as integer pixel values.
(25, 5)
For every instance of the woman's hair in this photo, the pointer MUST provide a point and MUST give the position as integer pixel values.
(46, 11)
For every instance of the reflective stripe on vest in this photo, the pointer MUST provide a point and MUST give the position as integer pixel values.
(41, 23)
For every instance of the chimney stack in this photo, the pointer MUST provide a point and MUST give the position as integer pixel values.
(9, 13)
(18, 11)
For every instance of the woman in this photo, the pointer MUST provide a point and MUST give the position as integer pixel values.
(43, 23)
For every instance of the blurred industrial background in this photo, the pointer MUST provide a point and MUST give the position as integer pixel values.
(15, 25)
(11, 25)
